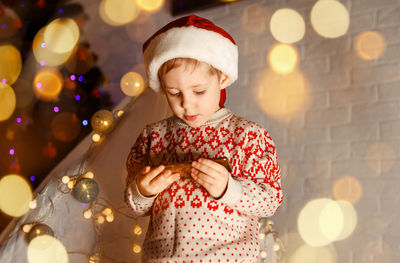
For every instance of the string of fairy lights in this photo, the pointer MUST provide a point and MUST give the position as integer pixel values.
(84, 188)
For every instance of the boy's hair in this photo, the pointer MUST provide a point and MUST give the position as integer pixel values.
(176, 62)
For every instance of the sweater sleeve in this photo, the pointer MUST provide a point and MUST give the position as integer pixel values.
(137, 159)
(254, 188)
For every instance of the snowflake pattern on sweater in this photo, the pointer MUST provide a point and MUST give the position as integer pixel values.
(189, 225)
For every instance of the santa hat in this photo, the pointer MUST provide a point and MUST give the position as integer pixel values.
(190, 37)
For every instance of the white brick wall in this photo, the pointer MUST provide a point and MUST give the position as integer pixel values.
(355, 103)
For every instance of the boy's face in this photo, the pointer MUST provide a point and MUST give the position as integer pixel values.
(193, 94)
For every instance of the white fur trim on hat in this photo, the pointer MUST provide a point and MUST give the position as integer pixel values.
(190, 42)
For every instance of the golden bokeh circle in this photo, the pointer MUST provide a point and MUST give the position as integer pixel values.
(61, 35)
(15, 195)
(282, 97)
(47, 84)
(287, 26)
(118, 12)
(330, 18)
(347, 188)
(370, 45)
(46, 249)
(150, 5)
(8, 101)
(10, 64)
(283, 58)
(44, 55)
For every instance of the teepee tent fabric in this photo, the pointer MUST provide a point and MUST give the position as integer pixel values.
(64, 214)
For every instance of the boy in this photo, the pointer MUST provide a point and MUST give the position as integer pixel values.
(213, 215)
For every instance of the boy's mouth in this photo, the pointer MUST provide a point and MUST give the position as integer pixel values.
(190, 117)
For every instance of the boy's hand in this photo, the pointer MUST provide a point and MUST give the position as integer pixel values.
(153, 181)
(211, 175)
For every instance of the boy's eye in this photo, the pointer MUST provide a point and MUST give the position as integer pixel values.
(200, 92)
(176, 94)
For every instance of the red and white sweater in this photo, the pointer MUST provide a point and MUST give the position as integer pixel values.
(186, 223)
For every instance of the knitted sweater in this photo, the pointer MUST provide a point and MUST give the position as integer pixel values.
(186, 223)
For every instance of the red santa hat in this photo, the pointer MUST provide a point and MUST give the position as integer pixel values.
(191, 37)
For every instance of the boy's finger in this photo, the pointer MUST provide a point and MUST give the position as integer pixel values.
(204, 168)
(216, 166)
(145, 170)
(201, 178)
(165, 179)
(151, 174)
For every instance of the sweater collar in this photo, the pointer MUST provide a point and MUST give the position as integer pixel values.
(219, 116)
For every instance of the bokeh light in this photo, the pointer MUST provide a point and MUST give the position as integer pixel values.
(132, 84)
(283, 97)
(287, 26)
(44, 55)
(96, 137)
(65, 126)
(370, 45)
(136, 248)
(10, 64)
(330, 18)
(350, 219)
(48, 84)
(283, 58)
(347, 188)
(380, 157)
(254, 18)
(46, 249)
(320, 222)
(10, 23)
(7, 101)
(118, 12)
(308, 254)
(61, 35)
(150, 5)
(15, 195)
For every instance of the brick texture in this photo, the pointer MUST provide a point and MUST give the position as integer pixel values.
(355, 105)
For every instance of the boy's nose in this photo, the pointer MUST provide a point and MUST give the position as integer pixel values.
(186, 102)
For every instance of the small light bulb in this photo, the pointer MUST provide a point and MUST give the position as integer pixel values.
(107, 211)
(136, 248)
(27, 227)
(100, 220)
(137, 230)
(87, 214)
(96, 137)
(110, 218)
(65, 179)
(120, 113)
(89, 175)
(70, 184)
(32, 204)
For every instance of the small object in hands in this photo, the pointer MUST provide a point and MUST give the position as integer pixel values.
(184, 168)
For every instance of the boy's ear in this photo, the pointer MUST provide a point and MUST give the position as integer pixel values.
(224, 81)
